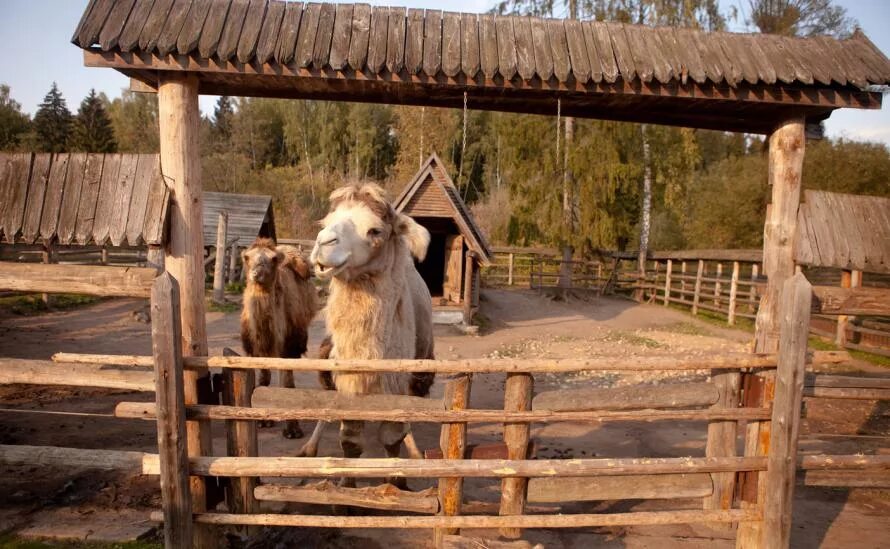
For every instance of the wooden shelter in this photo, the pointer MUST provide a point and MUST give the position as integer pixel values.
(732, 82)
(249, 216)
(457, 246)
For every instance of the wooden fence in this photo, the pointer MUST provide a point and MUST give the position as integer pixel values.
(742, 387)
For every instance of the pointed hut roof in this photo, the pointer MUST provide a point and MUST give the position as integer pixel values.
(432, 193)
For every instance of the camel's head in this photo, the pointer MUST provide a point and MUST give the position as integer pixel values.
(359, 229)
(261, 262)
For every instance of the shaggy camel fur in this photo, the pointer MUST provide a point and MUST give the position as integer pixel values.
(378, 306)
(279, 304)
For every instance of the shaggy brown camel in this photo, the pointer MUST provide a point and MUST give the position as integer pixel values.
(279, 304)
(378, 306)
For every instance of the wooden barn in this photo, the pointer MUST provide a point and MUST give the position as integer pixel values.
(457, 246)
(250, 216)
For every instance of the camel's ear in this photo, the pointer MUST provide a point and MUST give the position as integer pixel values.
(415, 236)
(279, 257)
(300, 266)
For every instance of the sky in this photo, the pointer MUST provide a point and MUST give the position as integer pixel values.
(36, 35)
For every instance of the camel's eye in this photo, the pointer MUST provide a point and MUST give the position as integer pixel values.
(374, 232)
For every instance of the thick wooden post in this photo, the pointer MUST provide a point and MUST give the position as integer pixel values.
(667, 282)
(683, 280)
(718, 286)
(166, 345)
(786, 152)
(752, 294)
(797, 295)
(733, 293)
(233, 262)
(510, 264)
(241, 436)
(453, 442)
(219, 269)
(469, 264)
(179, 121)
(696, 295)
(840, 337)
(722, 438)
(517, 397)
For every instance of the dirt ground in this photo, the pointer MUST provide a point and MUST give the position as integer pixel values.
(521, 324)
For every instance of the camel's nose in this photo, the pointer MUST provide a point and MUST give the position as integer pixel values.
(326, 237)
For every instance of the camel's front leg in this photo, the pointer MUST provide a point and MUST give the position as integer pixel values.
(291, 427)
(310, 449)
(351, 444)
(391, 435)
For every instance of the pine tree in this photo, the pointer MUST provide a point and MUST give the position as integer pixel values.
(222, 121)
(52, 123)
(13, 122)
(92, 131)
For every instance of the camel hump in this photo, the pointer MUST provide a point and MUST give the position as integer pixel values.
(293, 260)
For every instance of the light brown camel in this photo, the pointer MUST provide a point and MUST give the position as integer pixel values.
(378, 306)
(279, 304)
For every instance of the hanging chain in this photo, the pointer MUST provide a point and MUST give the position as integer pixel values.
(463, 146)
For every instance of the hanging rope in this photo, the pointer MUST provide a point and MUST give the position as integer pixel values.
(558, 115)
(463, 146)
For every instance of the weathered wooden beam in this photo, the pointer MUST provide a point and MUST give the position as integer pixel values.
(302, 399)
(517, 398)
(679, 395)
(219, 267)
(721, 440)
(241, 436)
(76, 279)
(170, 405)
(846, 479)
(77, 458)
(384, 496)
(45, 372)
(671, 486)
(464, 542)
(453, 441)
(480, 521)
(830, 300)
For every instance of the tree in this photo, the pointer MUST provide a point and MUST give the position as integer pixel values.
(223, 114)
(800, 17)
(52, 123)
(134, 118)
(92, 130)
(13, 122)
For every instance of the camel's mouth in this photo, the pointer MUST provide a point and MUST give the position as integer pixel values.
(328, 271)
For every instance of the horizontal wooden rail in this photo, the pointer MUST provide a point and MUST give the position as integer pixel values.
(384, 496)
(478, 521)
(676, 486)
(77, 279)
(45, 372)
(103, 460)
(678, 395)
(146, 410)
(832, 300)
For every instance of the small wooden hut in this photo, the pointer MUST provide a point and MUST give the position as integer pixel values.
(250, 216)
(457, 246)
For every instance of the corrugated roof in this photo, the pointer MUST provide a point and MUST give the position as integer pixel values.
(844, 230)
(250, 216)
(82, 198)
(433, 172)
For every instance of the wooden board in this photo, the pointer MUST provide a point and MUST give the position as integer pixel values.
(40, 169)
(279, 397)
(675, 486)
(250, 32)
(55, 194)
(79, 279)
(71, 198)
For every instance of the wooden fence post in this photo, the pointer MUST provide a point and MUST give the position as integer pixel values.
(453, 442)
(752, 291)
(468, 288)
(696, 296)
(653, 291)
(241, 436)
(683, 280)
(722, 438)
(733, 293)
(718, 287)
(233, 262)
(517, 397)
(797, 295)
(166, 344)
(219, 267)
(510, 269)
(667, 282)
(840, 337)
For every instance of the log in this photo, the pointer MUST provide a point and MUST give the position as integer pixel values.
(219, 267)
(697, 290)
(304, 399)
(780, 476)
(830, 380)
(722, 438)
(45, 372)
(846, 479)
(848, 393)
(145, 410)
(461, 542)
(852, 462)
(453, 441)
(517, 398)
(479, 521)
(384, 496)
(241, 436)
(679, 395)
(133, 463)
(829, 300)
(733, 293)
(76, 279)
(676, 486)
(170, 404)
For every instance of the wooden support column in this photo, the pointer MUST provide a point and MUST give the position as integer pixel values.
(241, 436)
(752, 294)
(233, 262)
(517, 397)
(179, 121)
(166, 345)
(733, 293)
(840, 337)
(797, 296)
(469, 265)
(510, 264)
(667, 282)
(219, 268)
(786, 152)
(453, 442)
(696, 295)
(722, 438)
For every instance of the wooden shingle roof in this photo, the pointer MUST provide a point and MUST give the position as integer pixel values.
(846, 231)
(81, 198)
(742, 82)
(432, 183)
(250, 216)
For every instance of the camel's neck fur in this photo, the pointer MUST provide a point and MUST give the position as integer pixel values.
(364, 313)
(263, 320)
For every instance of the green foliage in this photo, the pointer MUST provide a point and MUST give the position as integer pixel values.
(134, 119)
(92, 131)
(10, 541)
(800, 17)
(14, 124)
(52, 122)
